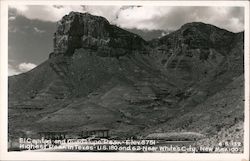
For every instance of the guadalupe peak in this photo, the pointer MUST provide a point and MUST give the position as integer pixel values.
(83, 30)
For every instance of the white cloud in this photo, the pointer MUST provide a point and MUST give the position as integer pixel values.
(45, 12)
(172, 18)
(109, 12)
(20, 8)
(38, 30)
(12, 18)
(12, 70)
(145, 17)
(24, 67)
(21, 68)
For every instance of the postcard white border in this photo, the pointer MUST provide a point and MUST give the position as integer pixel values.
(4, 155)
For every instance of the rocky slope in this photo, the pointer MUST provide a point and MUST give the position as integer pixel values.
(100, 76)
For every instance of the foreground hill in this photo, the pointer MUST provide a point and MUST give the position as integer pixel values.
(101, 76)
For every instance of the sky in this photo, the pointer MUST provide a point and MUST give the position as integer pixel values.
(31, 27)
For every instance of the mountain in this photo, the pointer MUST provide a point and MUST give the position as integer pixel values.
(102, 76)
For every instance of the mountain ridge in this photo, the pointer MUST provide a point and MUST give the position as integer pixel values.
(107, 77)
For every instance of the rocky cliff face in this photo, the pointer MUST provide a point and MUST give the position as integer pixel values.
(82, 30)
(100, 75)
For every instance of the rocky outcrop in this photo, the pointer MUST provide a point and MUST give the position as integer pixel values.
(197, 35)
(83, 30)
(197, 51)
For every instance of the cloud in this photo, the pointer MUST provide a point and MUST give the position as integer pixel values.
(12, 18)
(45, 12)
(18, 69)
(38, 30)
(24, 67)
(12, 70)
(145, 17)
(172, 18)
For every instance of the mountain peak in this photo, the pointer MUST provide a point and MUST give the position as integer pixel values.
(75, 30)
(84, 15)
(199, 35)
(83, 30)
(194, 24)
(204, 27)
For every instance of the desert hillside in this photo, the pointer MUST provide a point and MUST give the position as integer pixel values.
(102, 76)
